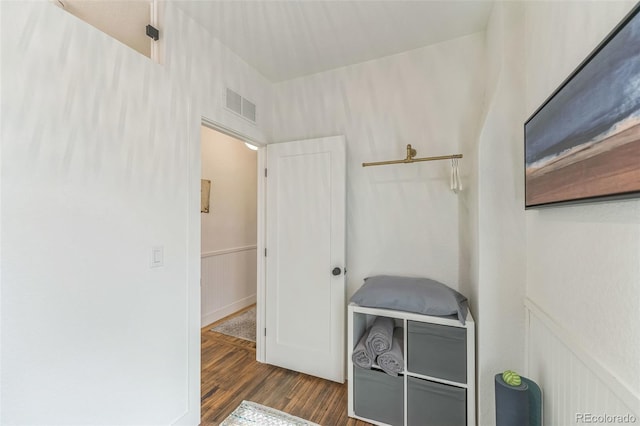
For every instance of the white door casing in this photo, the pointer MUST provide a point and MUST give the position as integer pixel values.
(305, 242)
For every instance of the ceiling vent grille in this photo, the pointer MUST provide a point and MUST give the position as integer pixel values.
(241, 106)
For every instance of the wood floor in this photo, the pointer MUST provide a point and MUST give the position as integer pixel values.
(230, 374)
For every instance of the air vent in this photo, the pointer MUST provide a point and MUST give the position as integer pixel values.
(234, 101)
(248, 110)
(241, 106)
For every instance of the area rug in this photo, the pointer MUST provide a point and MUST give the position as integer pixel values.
(242, 326)
(251, 413)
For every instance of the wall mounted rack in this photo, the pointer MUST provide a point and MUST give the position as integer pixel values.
(411, 153)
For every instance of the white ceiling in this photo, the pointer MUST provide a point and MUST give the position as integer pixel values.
(288, 39)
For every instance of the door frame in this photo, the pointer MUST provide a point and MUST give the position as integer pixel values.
(261, 231)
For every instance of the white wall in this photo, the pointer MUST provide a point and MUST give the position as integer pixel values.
(401, 219)
(232, 169)
(499, 290)
(580, 265)
(583, 262)
(229, 229)
(573, 381)
(228, 283)
(203, 67)
(100, 163)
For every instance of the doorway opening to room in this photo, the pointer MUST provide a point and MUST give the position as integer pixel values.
(234, 368)
(228, 218)
(229, 262)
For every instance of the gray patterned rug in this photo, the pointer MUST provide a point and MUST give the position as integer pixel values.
(250, 413)
(242, 326)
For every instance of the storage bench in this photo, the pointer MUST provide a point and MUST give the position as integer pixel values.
(437, 385)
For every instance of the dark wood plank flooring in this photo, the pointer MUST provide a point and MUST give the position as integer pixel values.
(230, 374)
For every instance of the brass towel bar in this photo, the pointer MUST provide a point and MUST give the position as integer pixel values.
(411, 153)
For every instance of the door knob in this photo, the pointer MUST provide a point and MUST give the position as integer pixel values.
(336, 271)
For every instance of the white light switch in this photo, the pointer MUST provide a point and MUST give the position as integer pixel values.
(157, 257)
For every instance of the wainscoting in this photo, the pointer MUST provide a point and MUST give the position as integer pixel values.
(572, 381)
(228, 282)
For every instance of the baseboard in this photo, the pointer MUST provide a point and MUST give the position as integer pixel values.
(218, 314)
(187, 419)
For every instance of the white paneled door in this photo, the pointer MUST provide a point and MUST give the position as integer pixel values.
(305, 286)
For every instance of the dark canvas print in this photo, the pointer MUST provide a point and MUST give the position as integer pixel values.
(585, 141)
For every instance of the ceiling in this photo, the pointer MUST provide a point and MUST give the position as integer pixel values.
(288, 39)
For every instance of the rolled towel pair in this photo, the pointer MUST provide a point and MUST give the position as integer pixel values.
(375, 341)
(392, 361)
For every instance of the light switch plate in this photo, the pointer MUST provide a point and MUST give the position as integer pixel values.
(157, 256)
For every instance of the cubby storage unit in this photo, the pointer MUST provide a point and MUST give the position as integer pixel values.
(437, 386)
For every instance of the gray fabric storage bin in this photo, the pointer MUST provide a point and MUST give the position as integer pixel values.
(378, 396)
(437, 351)
(435, 404)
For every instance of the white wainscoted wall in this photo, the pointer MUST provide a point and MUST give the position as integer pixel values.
(575, 383)
(228, 282)
(229, 230)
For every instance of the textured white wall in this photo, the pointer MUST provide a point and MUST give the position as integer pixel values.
(100, 163)
(583, 262)
(203, 67)
(93, 177)
(580, 264)
(501, 284)
(401, 219)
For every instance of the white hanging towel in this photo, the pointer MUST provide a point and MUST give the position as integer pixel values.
(456, 183)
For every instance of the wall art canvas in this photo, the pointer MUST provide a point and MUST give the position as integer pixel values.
(583, 143)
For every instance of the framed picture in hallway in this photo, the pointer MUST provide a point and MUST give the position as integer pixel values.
(583, 143)
(205, 190)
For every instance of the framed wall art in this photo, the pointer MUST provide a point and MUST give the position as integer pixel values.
(583, 143)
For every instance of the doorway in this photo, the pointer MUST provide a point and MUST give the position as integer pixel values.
(228, 215)
(307, 178)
